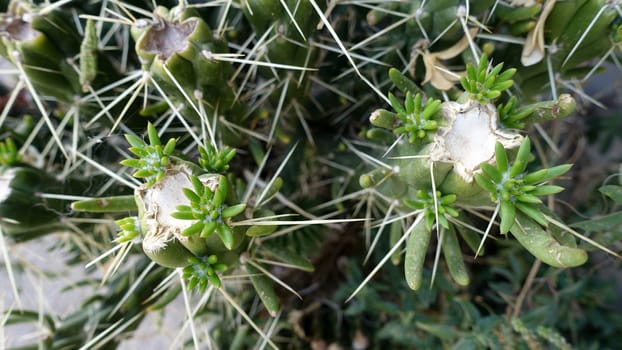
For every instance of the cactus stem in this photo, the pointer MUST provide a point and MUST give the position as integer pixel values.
(181, 89)
(384, 31)
(279, 109)
(175, 110)
(291, 16)
(132, 288)
(141, 84)
(586, 31)
(366, 157)
(35, 96)
(345, 51)
(581, 237)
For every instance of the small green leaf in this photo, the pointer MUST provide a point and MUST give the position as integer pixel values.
(169, 147)
(199, 187)
(546, 190)
(531, 211)
(221, 192)
(233, 210)
(260, 230)
(192, 197)
(134, 141)
(485, 183)
(507, 214)
(522, 158)
(397, 106)
(492, 172)
(193, 229)
(226, 235)
(501, 157)
(528, 198)
(209, 228)
(132, 163)
(183, 215)
(152, 133)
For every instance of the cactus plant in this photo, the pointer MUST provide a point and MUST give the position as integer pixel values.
(200, 148)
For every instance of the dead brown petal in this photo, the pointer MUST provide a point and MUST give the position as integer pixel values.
(435, 72)
(533, 50)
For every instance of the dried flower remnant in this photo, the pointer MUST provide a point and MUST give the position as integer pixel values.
(533, 50)
(436, 73)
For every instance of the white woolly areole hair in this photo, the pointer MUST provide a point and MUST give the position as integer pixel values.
(159, 202)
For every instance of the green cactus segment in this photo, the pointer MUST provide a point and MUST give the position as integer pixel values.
(130, 229)
(88, 55)
(395, 233)
(510, 116)
(202, 271)
(456, 143)
(384, 119)
(214, 161)
(576, 32)
(264, 288)
(453, 257)
(171, 253)
(153, 160)
(416, 249)
(207, 206)
(543, 246)
(291, 22)
(514, 189)
(21, 206)
(115, 204)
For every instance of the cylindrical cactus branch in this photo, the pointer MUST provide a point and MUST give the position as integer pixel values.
(454, 156)
(41, 45)
(179, 51)
(48, 47)
(188, 214)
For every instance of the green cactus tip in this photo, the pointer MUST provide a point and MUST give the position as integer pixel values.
(207, 206)
(153, 158)
(484, 84)
(514, 188)
(202, 271)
